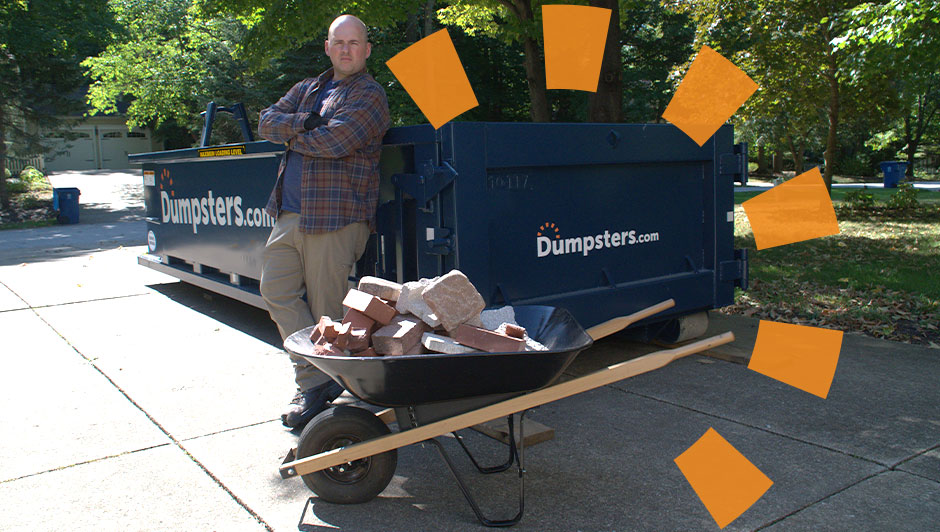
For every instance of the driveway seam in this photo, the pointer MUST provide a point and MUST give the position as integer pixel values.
(176, 442)
(762, 429)
(791, 514)
(93, 460)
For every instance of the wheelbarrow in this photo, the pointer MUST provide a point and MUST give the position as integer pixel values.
(348, 455)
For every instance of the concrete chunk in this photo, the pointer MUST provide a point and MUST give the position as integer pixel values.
(442, 344)
(453, 299)
(385, 289)
(493, 318)
(400, 336)
(411, 301)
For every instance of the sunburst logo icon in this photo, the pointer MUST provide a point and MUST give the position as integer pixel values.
(165, 178)
(548, 229)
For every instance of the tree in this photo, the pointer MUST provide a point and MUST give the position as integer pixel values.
(902, 36)
(792, 54)
(42, 43)
(510, 21)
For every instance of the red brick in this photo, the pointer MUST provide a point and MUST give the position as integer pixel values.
(515, 331)
(342, 334)
(324, 348)
(400, 336)
(488, 341)
(366, 353)
(370, 305)
(359, 320)
(354, 339)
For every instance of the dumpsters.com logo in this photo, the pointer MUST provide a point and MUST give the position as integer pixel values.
(550, 242)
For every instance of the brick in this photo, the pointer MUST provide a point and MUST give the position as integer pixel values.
(366, 353)
(325, 329)
(488, 341)
(342, 334)
(418, 349)
(323, 348)
(453, 299)
(359, 320)
(400, 336)
(354, 340)
(411, 301)
(442, 344)
(514, 331)
(381, 288)
(370, 305)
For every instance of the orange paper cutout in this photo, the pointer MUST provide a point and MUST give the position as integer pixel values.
(799, 209)
(433, 75)
(726, 482)
(711, 91)
(803, 357)
(575, 37)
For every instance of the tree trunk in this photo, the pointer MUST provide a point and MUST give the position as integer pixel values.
(429, 17)
(606, 105)
(4, 194)
(761, 160)
(535, 75)
(778, 161)
(534, 64)
(833, 113)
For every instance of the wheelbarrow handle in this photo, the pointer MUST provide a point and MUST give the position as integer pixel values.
(618, 324)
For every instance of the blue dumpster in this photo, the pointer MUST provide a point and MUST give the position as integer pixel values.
(894, 172)
(65, 200)
(601, 219)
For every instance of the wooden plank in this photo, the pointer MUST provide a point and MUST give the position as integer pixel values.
(597, 379)
(618, 324)
(498, 429)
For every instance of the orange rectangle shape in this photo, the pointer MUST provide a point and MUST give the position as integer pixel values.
(711, 91)
(803, 357)
(726, 482)
(433, 75)
(575, 37)
(797, 210)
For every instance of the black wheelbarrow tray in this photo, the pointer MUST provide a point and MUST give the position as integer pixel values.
(348, 454)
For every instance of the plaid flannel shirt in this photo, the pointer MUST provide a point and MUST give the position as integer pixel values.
(340, 176)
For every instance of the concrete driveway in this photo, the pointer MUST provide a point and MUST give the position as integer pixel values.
(131, 401)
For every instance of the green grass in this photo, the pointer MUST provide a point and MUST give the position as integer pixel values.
(880, 275)
(881, 195)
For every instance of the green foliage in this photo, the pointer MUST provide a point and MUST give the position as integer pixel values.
(905, 199)
(859, 199)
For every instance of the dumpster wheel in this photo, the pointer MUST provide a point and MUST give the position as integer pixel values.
(353, 482)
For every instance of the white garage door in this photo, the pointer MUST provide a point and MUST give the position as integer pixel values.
(97, 147)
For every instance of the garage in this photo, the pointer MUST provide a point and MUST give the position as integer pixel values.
(97, 146)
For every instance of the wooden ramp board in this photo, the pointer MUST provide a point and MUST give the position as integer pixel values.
(608, 375)
(498, 429)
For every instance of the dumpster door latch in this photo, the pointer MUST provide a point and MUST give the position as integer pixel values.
(440, 240)
(427, 184)
(735, 164)
(735, 270)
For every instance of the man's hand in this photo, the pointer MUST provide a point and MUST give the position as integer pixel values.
(314, 120)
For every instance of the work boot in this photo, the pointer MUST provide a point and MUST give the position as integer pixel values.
(308, 403)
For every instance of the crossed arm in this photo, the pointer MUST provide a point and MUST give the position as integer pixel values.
(363, 116)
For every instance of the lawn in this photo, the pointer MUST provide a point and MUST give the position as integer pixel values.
(880, 275)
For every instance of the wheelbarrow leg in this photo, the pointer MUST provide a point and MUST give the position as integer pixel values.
(517, 453)
(486, 470)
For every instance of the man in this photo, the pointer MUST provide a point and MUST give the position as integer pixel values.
(325, 197)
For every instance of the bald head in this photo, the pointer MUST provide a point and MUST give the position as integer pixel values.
(348, 46)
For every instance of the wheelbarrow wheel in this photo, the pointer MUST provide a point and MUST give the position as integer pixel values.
(353, 482)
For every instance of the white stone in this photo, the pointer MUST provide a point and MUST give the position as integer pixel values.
(378, 287)
(410, 301)
(442, 344)
(493, 318)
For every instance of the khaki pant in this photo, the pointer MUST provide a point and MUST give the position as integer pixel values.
(318, 265)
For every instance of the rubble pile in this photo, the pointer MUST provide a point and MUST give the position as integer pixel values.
(440, 315)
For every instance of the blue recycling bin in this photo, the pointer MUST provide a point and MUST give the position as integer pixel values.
(894, 172)
(65, 200)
